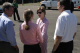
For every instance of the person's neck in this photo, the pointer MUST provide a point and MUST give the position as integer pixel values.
(6, 14)
(62, 10)
(42, 18)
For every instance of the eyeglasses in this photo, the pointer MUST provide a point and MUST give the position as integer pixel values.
(39, 12)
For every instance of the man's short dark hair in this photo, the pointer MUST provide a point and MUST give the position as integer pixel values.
(6, 5)
(65, 3)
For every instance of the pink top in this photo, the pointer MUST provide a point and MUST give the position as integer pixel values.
(31, 36)
(43, 24)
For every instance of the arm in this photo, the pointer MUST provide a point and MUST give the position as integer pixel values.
(75, 30)
(74, 35)
(59, 33)
(39, 35)
(57, 42)
(17, 5)
(44, 28)
(21, 35)
(11, 34)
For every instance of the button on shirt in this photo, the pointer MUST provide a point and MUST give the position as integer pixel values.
(7, 33)
(31, 36)
(66, 26)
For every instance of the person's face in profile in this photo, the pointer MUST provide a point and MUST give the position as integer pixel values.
(60, 7)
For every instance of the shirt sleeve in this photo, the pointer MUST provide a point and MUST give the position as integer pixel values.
(10, 33)
(21, 35)
(60, 26)
(76, 25)
(44, 28)
(39, 35)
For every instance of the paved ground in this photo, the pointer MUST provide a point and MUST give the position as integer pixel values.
(52, 17)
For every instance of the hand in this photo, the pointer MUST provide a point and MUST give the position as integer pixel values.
(16, 48)
(52, 51)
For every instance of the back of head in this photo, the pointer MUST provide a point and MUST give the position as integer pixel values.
(27, 16)
(6, 5)
(65, 3)
(42, 7)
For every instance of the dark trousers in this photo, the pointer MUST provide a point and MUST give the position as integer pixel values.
(16, 13)
(32, 48)
(5, 47)
(65, 47)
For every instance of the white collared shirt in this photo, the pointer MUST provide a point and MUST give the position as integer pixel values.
(7, 32)
(66, 26)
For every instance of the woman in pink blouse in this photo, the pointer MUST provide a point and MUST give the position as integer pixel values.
(43, 23)
(30, 34)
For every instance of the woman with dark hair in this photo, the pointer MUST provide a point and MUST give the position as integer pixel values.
(30, 34)
(43, 23)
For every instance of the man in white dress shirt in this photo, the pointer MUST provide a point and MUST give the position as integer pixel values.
(66, 28)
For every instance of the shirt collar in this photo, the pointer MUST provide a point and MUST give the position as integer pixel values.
(68, 11)
(3, 14)
(28, 22)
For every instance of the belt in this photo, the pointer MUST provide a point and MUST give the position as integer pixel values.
(67, 42)
(32, 44)
(4, 42)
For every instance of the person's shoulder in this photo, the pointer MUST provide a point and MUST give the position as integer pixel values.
(35, 25)
(7, 20)
(61, 16)
(46, 21)
(74, 16)
(22, 24)
(65, 14)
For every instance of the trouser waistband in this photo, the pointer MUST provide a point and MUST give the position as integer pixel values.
(67, 42)
(4, 42)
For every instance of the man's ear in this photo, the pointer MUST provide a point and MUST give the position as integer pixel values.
(6, 9)
(63, 7)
